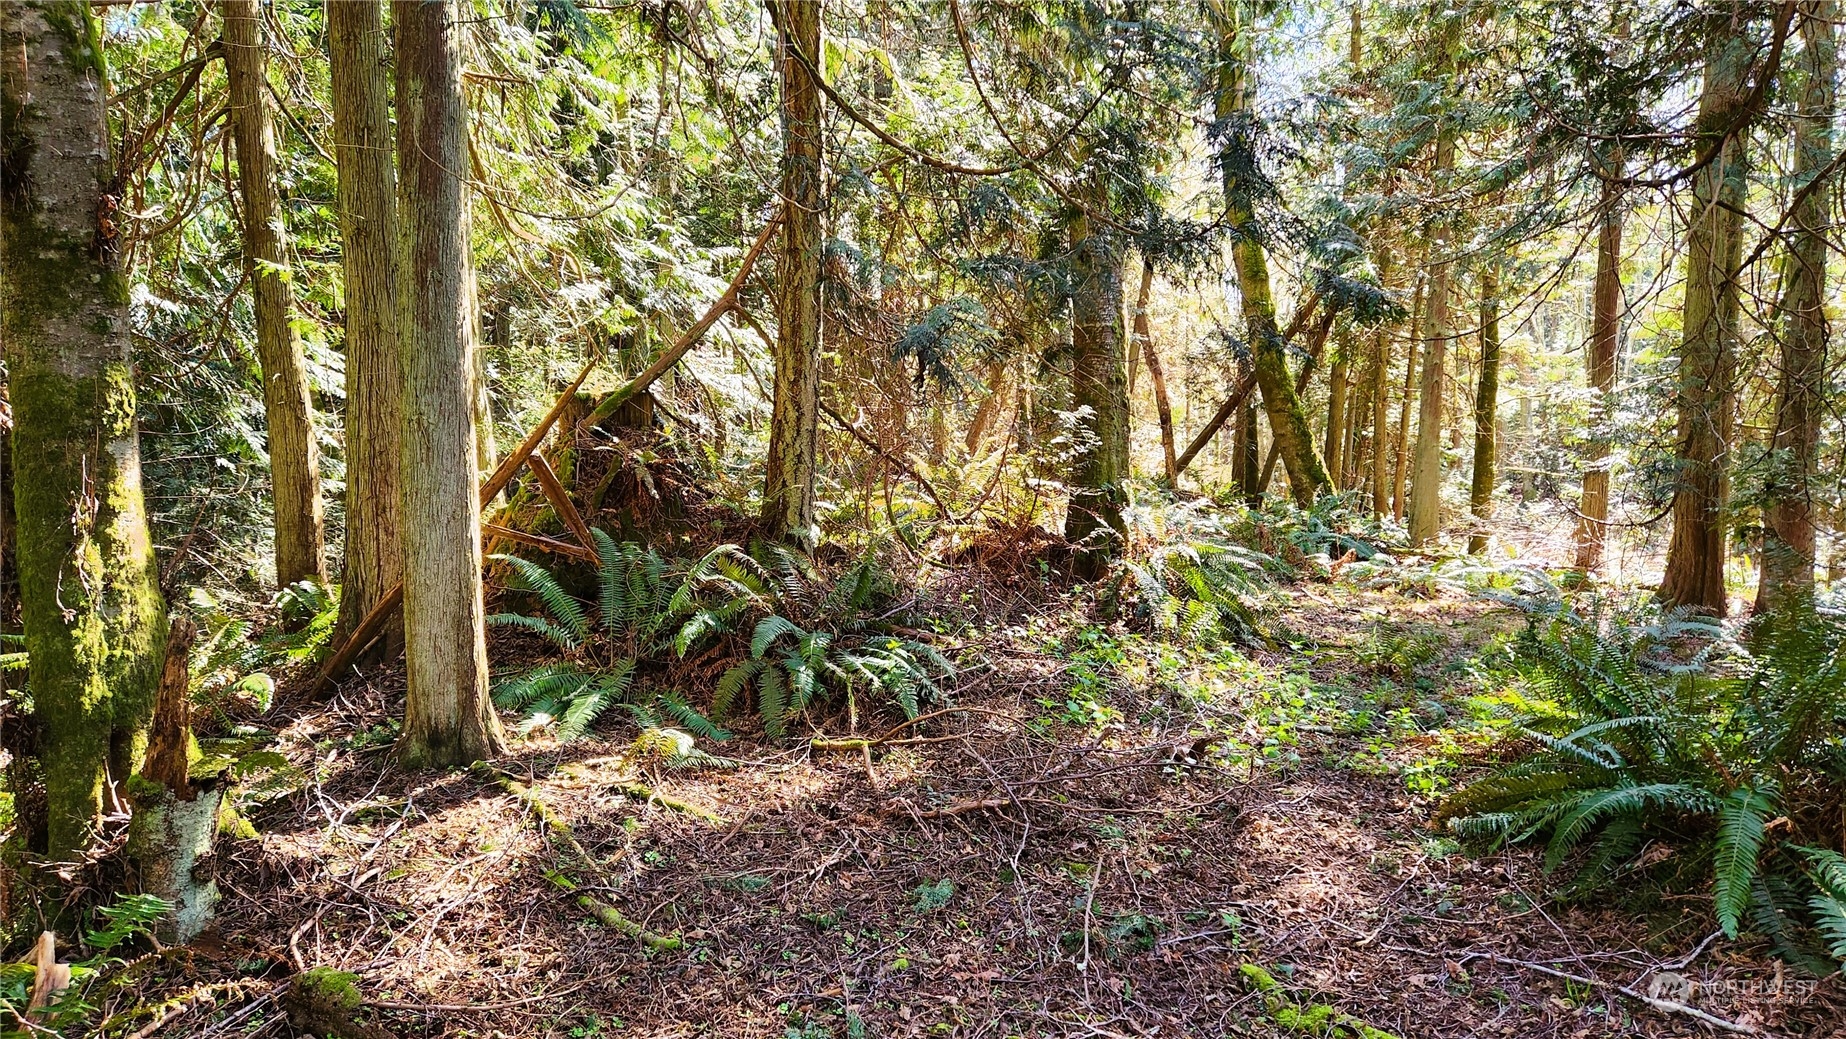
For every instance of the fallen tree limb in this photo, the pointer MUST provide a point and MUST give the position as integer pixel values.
(665, 362)
(1664, 1005)
(539, 541)
(560, 500)
(374, 622)
(1240, 392)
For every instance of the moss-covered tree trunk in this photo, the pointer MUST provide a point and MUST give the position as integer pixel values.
(448, 719)
(95, 623)
(374, 554)
(794, 422)
(1156, 373)
(1486, 412)
(1599, 364)
(1099, 389)
(1706, 391)
(294, 457)
(1236, 95)
(1789, 528)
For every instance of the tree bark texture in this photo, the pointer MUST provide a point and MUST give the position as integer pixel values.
(1707, 394)
(448, 719)
(374, 554)
(1486, 412)
(1789, 525)
(1425, 505)
(794, 423)
(1605, 339)
(294, 455)
(95, 623)
(1099, 389)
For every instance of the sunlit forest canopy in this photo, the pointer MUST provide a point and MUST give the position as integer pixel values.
(790, 518)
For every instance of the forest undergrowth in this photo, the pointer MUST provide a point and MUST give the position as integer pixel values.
(1128, 811)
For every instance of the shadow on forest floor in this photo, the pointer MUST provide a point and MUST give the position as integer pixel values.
(1010, 875)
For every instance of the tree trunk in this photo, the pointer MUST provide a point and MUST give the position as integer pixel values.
(1425, 506)
(294, 455)
(1381, 421)
(1288, 422)
(1486, 411)
(1707, 378)
(1335, 442)
(794, 430)
(448, 719)
(1156, 373)
(1788, 538)
(95, 624)
(1605, 333)
(1098, 382)
(1401, 465)
(374, 555)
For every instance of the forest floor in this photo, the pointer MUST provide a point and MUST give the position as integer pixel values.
(1111, 836)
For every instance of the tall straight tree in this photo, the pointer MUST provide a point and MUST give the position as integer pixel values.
(1706, 391)
(1599, 359)
(294, 456)
(95, 623)
(794, 429)
(1099, 387)
(1788, 538)
(1486, 411)
(1156, 373)
(1425, 506)
(1236, 96)
(374, 557)
(448, 718)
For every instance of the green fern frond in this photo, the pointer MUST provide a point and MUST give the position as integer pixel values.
(560, 636)
(564, 607)
(680, 711)
(731, 685)
(768, 630)
(772, 701)
(1742, 815)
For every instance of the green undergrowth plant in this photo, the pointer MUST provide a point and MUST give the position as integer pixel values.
(795, 640)
(119, 923)
(632, 619)
(819, 641)
(1738, 765)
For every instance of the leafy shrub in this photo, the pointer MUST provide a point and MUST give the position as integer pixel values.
(1744, 772)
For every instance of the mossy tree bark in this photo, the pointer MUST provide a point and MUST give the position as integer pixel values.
(448, 719)
(95, 623)
(374, 555)
(294, 456)
(1400, 469)
(794, 422)
(1486, 411)
(1787, 576)
(1288, 421)
(1425, 504)
(1099, 389)
(1605, 338)
(1707, 394)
